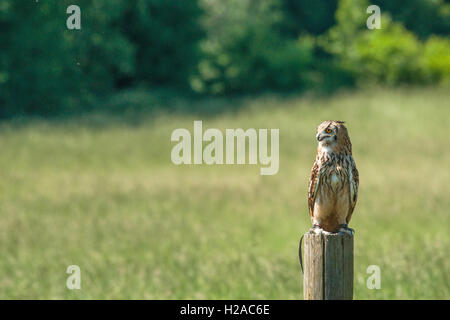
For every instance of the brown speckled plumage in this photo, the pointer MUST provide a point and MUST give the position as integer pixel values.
(334, 180)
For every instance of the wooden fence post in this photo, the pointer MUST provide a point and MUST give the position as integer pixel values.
(328, 266)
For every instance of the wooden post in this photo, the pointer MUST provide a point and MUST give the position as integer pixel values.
(328, 266)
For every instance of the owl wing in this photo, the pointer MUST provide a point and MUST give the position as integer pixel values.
(353, 176)
(314, 181)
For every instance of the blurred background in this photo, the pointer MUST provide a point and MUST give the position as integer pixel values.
(212, 47)
(85, 123)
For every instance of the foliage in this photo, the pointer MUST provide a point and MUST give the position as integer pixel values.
(243, 51)
(213, 47)
(436, 59)
(312, 17)
(165, 35)
(389, 56)
(422, 17)
(48, 69)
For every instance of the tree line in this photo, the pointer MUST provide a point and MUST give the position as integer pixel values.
(212, 47)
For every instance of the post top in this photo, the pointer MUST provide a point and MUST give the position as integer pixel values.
(327, 234)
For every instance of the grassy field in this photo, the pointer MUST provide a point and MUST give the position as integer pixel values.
(104, 195)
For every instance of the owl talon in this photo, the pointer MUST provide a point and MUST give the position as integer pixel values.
(345, 229)
(317, 229)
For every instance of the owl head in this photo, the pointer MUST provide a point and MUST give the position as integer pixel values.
(333, 136)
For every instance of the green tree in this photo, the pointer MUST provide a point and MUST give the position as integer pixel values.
(48, 69)
(166, 35)
(244, 52)
(306, 16)
(422, 17)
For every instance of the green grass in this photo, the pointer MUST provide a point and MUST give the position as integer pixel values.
(108, 198)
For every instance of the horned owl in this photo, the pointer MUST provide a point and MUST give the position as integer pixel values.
(334, 180)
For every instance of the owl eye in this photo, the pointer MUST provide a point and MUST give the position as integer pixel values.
(328, 130)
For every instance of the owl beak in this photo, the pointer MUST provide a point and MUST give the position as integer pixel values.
(319, 137)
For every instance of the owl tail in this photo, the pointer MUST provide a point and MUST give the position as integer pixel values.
(300, 257)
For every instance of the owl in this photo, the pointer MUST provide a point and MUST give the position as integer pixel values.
(334, 180)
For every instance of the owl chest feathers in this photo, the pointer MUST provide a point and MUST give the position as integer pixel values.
(333, 172)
